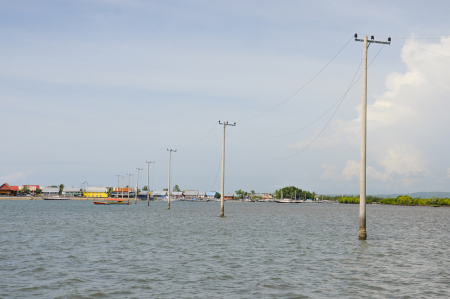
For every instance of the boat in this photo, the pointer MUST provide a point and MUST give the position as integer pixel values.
(288, 200)
(55, 197)
(112, 201)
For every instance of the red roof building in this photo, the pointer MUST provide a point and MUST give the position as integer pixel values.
(7, 190)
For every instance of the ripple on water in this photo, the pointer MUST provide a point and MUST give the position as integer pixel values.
(74, 249)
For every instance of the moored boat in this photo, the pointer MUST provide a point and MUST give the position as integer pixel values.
(55, 197)
(111, 201)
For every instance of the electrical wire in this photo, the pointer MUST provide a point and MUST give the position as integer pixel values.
(334, 113)
(273, 108)
(217, 174)
(428, 80)
(427, 50)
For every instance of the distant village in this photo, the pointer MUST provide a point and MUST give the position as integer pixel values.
(104, 192)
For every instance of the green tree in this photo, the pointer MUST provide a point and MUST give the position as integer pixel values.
(176, 188)
(110, 190)
(289, 192)
(24, 190)
(218, 195)
(145, 188)
(165, 189)
(61, 188)
(38, 191)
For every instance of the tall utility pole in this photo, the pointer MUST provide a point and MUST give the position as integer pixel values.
(122, 185)
(137, 185)
(148, 182)
(222, 213)
(168, 190)
(118, 185)
(362, 182)
(128, 187)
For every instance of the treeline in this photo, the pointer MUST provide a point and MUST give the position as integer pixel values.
(407, 200)
(354, 200)
(404, 200)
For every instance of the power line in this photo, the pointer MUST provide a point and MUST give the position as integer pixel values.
(427, 50)
(273, 108)
(343, 97)
(428, 80)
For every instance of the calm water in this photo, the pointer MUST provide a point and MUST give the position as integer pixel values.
(73, 249)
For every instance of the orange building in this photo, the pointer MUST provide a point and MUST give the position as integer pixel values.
(7, 190)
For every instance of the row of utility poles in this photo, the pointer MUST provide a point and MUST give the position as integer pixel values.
(222, 206)
(362, 211)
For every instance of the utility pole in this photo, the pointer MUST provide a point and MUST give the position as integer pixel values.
(168, 190)
(122, 185)
(148, 182)
(118, 185)
(362, 193)
(137, 184)
(222, 212)
(128, 187)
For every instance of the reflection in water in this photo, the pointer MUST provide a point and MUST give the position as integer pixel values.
(75, 249)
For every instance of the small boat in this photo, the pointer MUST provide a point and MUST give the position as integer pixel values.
(55, 197)
(111, 201)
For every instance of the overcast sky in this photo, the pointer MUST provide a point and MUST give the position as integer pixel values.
(94, 89)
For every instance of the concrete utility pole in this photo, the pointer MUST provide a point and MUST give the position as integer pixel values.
(222, 213)
(128, 187)
(168, 190)
(122, 185)
(118, 185)
(137, 184)
(148, 182)
(362, 182)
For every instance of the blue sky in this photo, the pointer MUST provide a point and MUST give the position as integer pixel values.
(92, 89)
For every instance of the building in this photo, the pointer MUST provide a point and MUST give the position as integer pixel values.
(32, 188)
(49, 191)
(143, 195)
(71, 192)
(210, 195)
(190, 194)
(159, 194)
(176, 194)
(118, 192)
(7, 190)
(228, 196)
(96, 192)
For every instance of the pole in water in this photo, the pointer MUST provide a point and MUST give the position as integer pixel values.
(148, 182)
(222, 194)
(128, 187)
(168, 189)
(362, 191)
(137, 185)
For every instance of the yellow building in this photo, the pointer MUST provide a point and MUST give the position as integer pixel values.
(96, 192)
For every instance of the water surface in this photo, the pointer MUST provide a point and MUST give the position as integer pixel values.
(73, 249)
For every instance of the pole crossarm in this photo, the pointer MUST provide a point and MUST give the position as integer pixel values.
(226, 123)
(372, 40)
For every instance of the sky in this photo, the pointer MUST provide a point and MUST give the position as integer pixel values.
(93, 89)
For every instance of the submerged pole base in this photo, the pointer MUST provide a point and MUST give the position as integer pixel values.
(362, 234)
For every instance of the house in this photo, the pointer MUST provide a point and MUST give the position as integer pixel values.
(202, 195)
(71, 191)
(176, 194)
(117, 192)
(32, 188)
(49, 191)
(7, 190)
(143, 195)
(210, 195)
(96, 192)
(159, 194)
(228, 196)
(190, 194)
